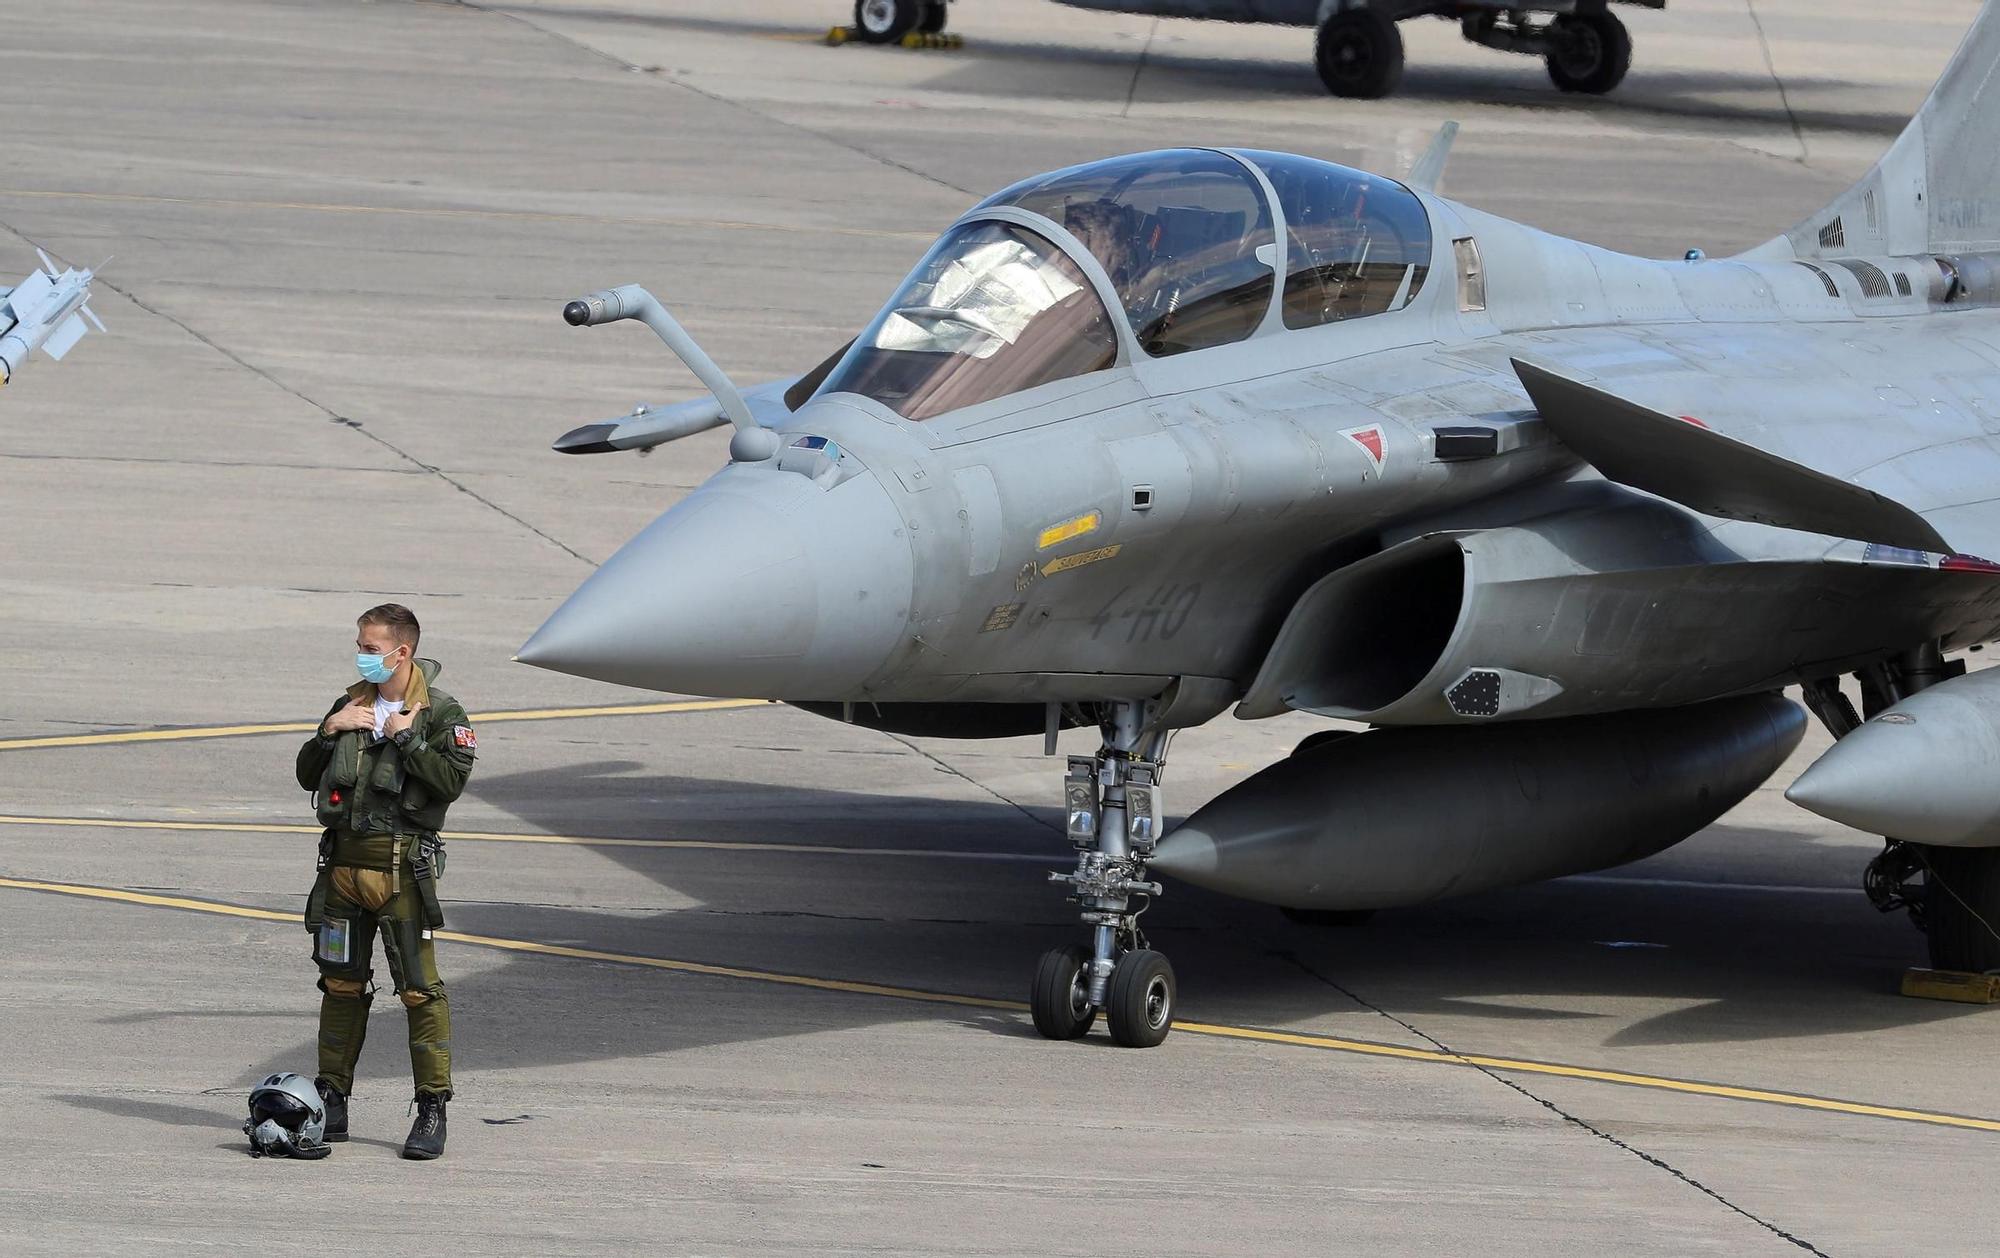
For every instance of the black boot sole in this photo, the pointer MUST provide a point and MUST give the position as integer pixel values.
(422, 1155)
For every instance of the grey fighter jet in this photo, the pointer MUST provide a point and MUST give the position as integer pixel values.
(1146, 440)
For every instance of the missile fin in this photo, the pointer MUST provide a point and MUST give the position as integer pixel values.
(64, 338)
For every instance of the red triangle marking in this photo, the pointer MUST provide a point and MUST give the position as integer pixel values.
(1369, 439)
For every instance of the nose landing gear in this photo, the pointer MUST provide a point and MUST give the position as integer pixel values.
(1113, 818)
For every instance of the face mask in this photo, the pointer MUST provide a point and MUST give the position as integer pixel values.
(373, 669)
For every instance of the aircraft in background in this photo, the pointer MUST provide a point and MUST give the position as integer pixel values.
(46, 311)
(1359, 51)
(1146, 439)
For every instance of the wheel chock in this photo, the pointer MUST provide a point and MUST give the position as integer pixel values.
(1953, 985)
(838, 35)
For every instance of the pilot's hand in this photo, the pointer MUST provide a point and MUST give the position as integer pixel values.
(355, 715)
(398, 721)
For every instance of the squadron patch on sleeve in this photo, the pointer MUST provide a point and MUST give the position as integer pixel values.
(463, 736)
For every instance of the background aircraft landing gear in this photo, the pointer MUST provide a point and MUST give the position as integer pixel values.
(886, 21)
(1588, 52)
(1359, 53)
(1113, 815)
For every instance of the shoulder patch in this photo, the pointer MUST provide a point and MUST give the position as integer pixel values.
(464, 737)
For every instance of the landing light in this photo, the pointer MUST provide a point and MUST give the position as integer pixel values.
(1080, 799)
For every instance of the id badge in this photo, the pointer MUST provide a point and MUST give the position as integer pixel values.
(336, 941)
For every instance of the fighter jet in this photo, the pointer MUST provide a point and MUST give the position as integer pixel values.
(1159, 437)
(1358, 48)
(46, 311)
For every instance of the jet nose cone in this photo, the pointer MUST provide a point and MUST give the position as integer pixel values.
(761, 584)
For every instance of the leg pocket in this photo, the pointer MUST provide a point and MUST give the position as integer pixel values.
(342, 946)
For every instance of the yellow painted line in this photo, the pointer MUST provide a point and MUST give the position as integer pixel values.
(149, 900)
(1512, 1065)
(306, 727)
(417, 211)
(560, 840)
(1324, 1043)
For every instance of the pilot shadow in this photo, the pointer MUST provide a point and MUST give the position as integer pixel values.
(153, 1111)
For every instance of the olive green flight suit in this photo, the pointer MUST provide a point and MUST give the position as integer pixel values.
(382, 803)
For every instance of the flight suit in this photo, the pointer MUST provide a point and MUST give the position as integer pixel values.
(382, 803)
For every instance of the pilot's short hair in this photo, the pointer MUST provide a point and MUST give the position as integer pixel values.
(399, 620)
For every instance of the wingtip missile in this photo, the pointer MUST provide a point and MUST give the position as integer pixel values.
(48, 311)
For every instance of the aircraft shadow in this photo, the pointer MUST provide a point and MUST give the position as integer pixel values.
(1535, 956)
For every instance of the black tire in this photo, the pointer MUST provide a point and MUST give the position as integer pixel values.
(1060, 999)
(886, 21)
(933, 20)
(1329, 917)
(1591, 53)
(1962, 907)
(1359, 54)
(1140, 1003)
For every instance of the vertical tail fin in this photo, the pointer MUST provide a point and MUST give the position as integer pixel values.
(1937, 189)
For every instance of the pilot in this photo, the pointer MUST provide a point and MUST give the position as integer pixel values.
(390, 756)
(1106, 228)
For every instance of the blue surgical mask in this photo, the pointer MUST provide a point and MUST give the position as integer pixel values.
(372, 668)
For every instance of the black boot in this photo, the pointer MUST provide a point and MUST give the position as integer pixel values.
(336, 1111)
(427, 1133)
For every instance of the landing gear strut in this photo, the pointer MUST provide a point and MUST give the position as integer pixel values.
(1113, 808)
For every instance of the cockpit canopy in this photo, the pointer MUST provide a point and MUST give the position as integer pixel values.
(1177, 231)
(1186, 238)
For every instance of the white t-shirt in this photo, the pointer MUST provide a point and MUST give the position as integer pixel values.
(384, 709)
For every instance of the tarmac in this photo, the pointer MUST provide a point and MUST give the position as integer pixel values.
(728, 978)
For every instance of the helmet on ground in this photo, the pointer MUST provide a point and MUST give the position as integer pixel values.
(287, 1118)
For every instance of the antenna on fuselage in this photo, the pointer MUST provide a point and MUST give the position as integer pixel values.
(1428, 171)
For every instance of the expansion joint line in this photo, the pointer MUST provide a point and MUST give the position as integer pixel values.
(1648, 1158)
(319, 406)
(969, 780)
(633, 68)
(1138, 66)
(1771, 64)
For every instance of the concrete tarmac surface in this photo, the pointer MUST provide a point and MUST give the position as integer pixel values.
(733, 979)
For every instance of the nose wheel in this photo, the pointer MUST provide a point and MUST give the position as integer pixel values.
(1061, 1000)
(1113, 811)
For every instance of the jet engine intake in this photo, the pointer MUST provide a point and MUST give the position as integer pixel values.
(1635, 604)
(1403, 816)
